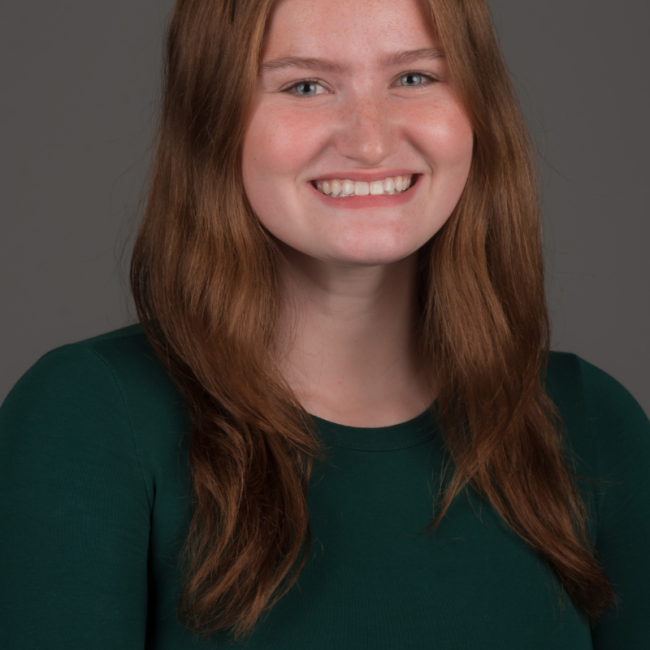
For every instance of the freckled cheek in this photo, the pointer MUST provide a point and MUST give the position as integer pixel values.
(282, 143)
(446, 137)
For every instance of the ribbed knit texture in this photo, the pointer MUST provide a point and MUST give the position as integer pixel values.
(94, 506)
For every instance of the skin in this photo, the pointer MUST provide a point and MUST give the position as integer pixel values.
(349, 277)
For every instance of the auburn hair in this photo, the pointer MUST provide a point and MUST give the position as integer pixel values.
(205, 279)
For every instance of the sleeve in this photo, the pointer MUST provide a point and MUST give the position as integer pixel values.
(74, 508)
(621, 432)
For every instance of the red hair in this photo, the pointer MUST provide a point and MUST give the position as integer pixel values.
(204, 276)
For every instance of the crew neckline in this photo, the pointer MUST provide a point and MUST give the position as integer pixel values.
(393, 437)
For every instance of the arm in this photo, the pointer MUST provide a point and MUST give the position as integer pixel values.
(74, 509)
(621, 431)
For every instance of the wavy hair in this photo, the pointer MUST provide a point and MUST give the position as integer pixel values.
(205, 279)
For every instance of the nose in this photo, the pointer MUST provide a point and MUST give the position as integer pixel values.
(367, 133)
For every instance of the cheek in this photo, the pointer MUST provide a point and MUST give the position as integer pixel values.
(445, 137)
(281, 142)
(278, 146)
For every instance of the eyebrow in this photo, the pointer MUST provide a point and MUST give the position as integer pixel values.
(325, 65)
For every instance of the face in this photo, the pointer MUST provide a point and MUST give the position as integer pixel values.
(354, 104)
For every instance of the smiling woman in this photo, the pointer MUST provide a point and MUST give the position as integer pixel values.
(351, 181)
(340, 288)
(364, 122)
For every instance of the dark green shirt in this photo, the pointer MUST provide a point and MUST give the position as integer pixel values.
(94, 506)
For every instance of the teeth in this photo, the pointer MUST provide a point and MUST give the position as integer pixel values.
(341, 188)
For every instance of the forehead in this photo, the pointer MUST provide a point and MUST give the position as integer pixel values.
(346, 29)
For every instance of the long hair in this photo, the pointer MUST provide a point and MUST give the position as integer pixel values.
(205, 279)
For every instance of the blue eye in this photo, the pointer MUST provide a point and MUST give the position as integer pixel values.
(413, 79)
(304, 88)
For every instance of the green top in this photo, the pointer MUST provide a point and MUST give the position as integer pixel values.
(94, 494)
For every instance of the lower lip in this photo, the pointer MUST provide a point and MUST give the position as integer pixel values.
(368, 200)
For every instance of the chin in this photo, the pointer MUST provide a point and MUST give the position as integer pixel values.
(372, 253)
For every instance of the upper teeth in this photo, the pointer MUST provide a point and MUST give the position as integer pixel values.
(390, 185)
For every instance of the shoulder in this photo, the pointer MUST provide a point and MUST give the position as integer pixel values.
(606, 425)
(118, 353)
(70, 375)
(577, 385)
(113, 364)
(108, 391)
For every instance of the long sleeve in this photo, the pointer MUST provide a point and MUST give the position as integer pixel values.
(74, 511)
(621, 432)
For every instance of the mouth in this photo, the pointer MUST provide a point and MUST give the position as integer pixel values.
(343, 187)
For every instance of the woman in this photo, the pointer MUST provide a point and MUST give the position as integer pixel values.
(338, 423)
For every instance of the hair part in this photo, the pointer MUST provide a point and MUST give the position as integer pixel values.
(205, 279)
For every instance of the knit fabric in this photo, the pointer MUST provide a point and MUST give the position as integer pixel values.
(95, 503)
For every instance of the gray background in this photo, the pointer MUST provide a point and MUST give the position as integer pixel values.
(78, 104)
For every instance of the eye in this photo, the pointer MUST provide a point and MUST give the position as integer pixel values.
(416, 79)
(304, 88)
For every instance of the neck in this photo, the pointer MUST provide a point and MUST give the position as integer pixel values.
(347, 340)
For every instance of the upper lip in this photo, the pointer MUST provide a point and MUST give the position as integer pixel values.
(368, 177)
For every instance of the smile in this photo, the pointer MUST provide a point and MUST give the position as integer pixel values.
(336, 188)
